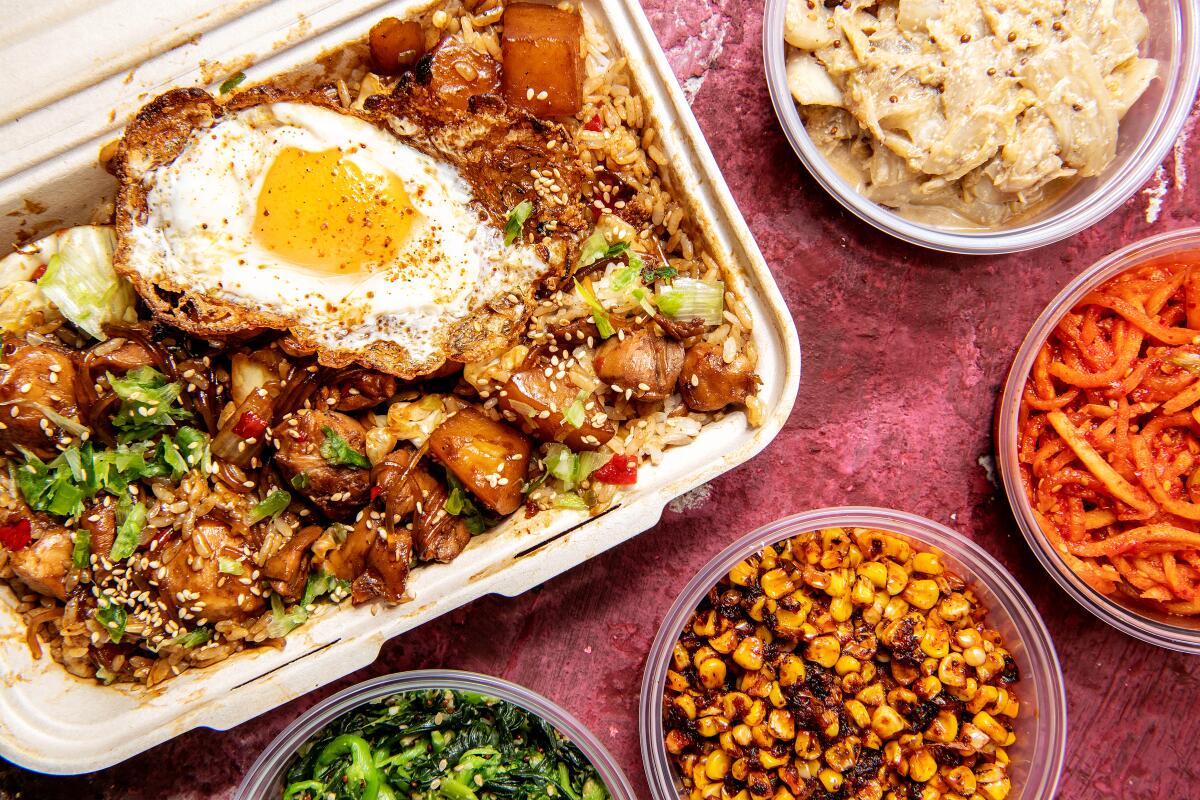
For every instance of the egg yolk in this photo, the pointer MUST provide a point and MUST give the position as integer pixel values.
(319, 210)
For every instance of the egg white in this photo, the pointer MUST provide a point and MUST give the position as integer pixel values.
(198, 232)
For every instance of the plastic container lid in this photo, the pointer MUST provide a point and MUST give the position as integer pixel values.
(1171, 632)
(1146, 134)
(263, 781)
(1041, 727)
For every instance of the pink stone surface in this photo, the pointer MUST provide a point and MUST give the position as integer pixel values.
(904, 352)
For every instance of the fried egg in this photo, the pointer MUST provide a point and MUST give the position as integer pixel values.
(298, 216)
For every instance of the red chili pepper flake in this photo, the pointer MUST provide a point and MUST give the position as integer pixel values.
(38, 273)
(375, 490)
(18, 536)
(250, 425)
(620, 470)
(594, 124)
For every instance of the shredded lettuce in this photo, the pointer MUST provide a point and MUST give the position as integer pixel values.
(80, 279)
(516, 221)
(575, 413)
(194, 637)
(571, 468)
(131, 518)
(459, 504)
(82, 551)
(274, 503)
(80, 473)
(230, 566)
(113, 617)
(284, 620)
(688, 298)
(570, 500)
(596, 247)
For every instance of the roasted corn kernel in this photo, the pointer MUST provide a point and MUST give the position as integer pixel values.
(851, 618)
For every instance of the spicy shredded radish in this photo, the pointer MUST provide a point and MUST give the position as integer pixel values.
(1109, 436)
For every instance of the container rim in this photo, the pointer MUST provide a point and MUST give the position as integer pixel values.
(1140, 625)
(1097, 203)
(1047, 681)
(260, 778)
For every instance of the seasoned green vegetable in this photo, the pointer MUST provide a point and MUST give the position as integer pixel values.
(436, 745)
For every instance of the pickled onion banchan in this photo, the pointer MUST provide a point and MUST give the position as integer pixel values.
(1109, 436)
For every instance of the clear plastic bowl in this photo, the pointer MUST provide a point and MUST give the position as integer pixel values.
(1147, 132)
(1041, 727)
(264, 780)
(1173, 633)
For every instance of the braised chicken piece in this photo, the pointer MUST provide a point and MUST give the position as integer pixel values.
(553, 406)
(707, 383)
(100, 521)
(489, 457)
(457, 72)
(641, 362)
(347, 561)
(45, 563)
(192, 565)
(118, 356)
(407, 487)
(364, 389)
(375, 560)
(386, 574)
(35, 378)
(288, 568)
(321, 454)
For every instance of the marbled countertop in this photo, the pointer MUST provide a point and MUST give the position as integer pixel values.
(904, 352)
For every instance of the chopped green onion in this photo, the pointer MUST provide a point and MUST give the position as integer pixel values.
(596, 247)
(168, 454)
(193, 444)
(516, 221)
(663, 273)
(574, 415)
(300, 481)
(193, 638)
(82, 551)
(231, 83)
(274, 503)
(230, 566)
(148, 403)
(130, 521)
(688, 298)
(599, 315)
(113, 617)
(283, 621)
(69, 425)
(459, 504)
(338, 452)
(570, 500)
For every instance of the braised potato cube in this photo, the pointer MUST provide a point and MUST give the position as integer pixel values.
(395, 45)
(545, 401)
(458, 72)
(489, 457)
(543, 68)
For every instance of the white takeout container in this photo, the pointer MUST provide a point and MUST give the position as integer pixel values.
(57, 114)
